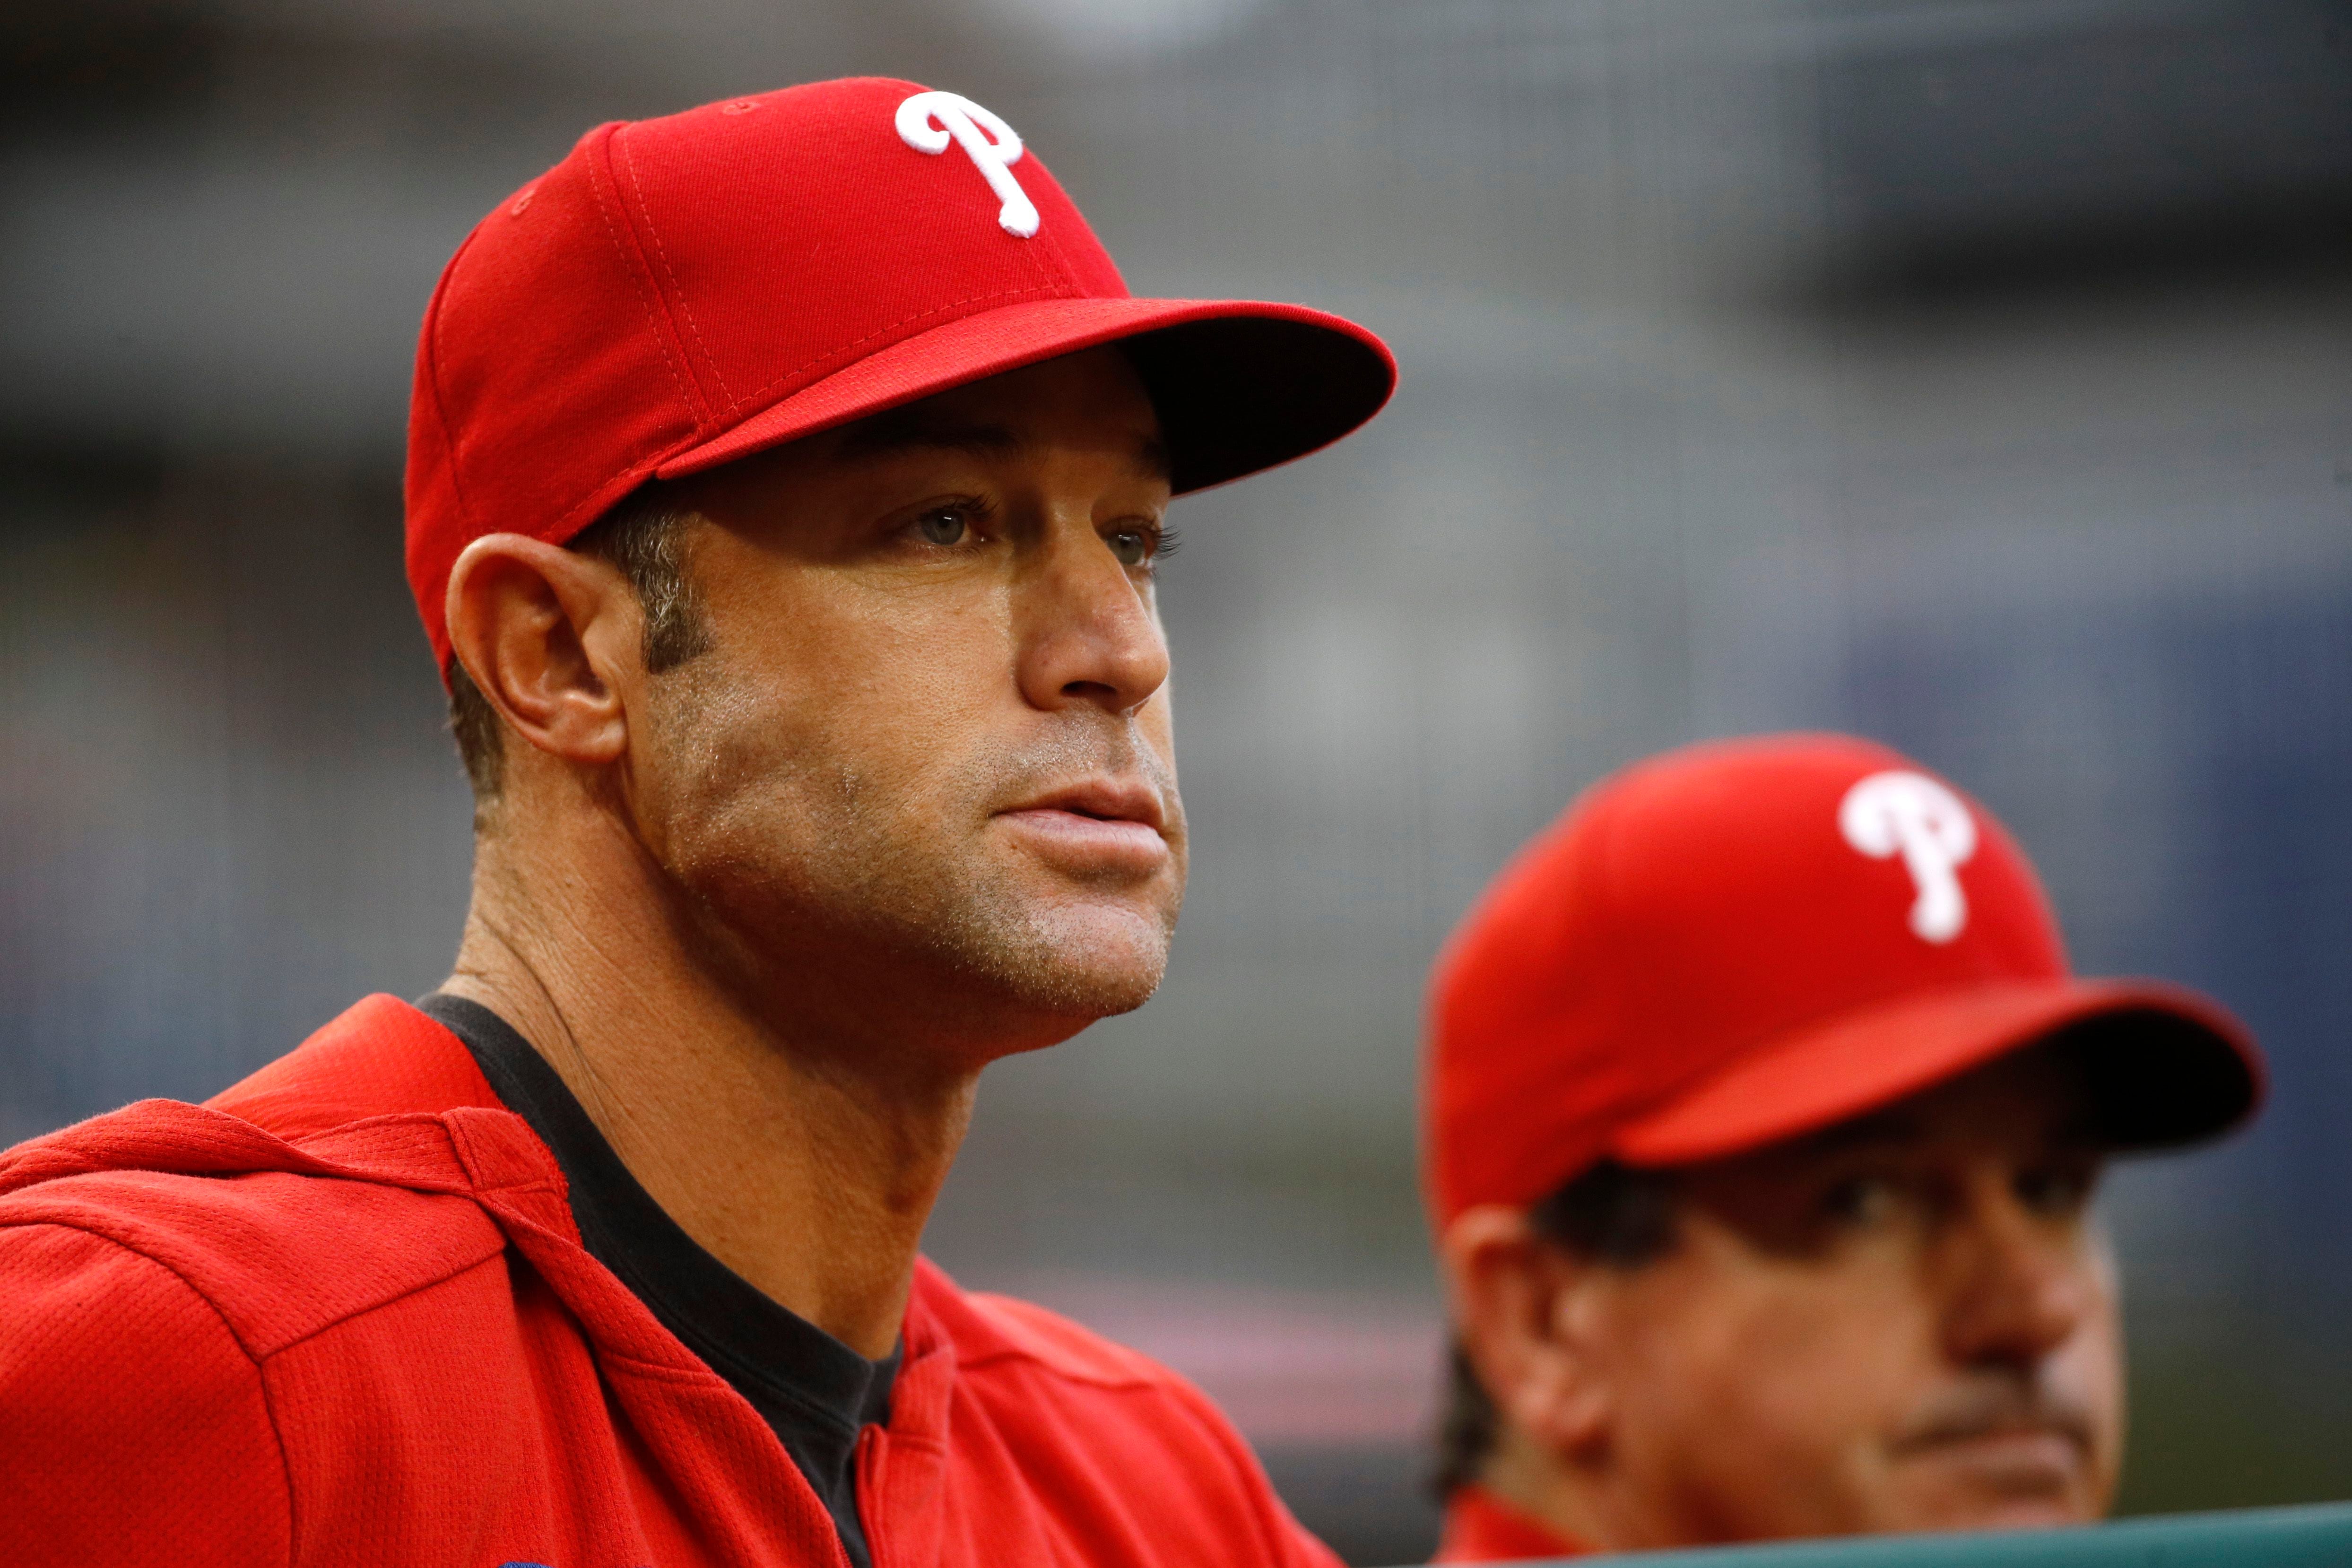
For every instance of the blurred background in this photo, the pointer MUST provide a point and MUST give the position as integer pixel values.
(1976, 374)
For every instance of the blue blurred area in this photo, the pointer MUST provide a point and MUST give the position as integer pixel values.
(2199, 833)
(2232, 778)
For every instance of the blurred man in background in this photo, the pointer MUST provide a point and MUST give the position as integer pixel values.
(785, 482)
(1763, 1121)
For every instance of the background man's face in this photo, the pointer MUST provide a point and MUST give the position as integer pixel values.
(1907, 1323)
(930, 751)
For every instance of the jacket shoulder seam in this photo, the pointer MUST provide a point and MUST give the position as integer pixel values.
(435, 1283)
(228, 1326)
(1137, 1381)
(1096, 1362)
(95, 1225)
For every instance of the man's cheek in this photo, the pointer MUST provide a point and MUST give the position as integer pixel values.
(1828, 1370)
(2087, 1372)
(1744, 1452)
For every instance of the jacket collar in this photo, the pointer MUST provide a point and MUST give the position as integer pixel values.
(385, 1094)
(1481, 1528)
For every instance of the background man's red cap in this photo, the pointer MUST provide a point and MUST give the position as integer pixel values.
(684, 291)
(1744, 941)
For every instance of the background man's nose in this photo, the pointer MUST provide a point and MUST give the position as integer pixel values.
(2019, 1286)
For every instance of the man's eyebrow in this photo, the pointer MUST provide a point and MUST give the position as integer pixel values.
(1872, 1129)
(1152, 457)
(884, 436)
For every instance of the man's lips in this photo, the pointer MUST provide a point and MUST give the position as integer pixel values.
(2050, 1448)
(1103, 799)
(1990, 1410)
(1100, 820)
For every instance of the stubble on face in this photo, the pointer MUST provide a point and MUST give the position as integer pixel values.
(2016, 1445)
(1785, 1385)
(1813, 1408)
(825, 789)
(813, 856)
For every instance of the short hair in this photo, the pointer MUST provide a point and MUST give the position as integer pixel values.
(1612, 1214)
(645, 537)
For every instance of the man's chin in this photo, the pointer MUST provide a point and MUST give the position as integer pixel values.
(1078, 963)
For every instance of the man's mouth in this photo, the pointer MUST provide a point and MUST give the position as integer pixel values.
(1103, 799)
(1109, 822)
(2023, 1459)
(1963, 1428)
(2057, 1440)
(2024, 1446)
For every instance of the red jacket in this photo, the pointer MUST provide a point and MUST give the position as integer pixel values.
(340, 1315)
(1481, 1528)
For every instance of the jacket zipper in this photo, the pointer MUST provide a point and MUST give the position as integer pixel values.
(873, 1463)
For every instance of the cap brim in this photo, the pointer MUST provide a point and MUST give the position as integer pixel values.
(1239, 385)
(2164, 1065)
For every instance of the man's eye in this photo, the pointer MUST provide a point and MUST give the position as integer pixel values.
(1133, 547)
(2055, 1191)
(1861, 1200)
(946, 526)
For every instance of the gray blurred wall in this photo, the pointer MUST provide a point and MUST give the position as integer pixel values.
(1972, 375)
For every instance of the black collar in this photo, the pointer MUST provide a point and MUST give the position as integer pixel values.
(814, 1391)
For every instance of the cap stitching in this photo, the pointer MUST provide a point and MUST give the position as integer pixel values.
(652, 304)
(1051, 258)
(589, 500)
(1057, 288)
(662, 251)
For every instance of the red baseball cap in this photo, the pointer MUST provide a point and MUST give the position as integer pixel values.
(1746, 940)
(681, 292)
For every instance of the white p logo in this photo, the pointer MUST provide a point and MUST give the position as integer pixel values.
(1911, 815)
(928, 120)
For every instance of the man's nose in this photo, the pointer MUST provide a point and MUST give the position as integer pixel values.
(2018, 1284)
(1089, 633)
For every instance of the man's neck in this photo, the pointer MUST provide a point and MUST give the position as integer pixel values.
(1561, 1493)
(801, 1169)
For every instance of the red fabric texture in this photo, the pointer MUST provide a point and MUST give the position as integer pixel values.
(341, 1315)
(682, 291)
(1695, 960)
(1481, 1528)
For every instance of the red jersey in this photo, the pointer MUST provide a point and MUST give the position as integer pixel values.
(341, 1314)
(1481, 1528)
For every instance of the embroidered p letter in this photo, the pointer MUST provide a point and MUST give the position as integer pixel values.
(928, 120)
(1912, 815)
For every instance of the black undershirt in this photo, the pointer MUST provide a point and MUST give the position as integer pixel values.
(814, 1391)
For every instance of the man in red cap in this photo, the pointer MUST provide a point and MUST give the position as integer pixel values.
(785, 482)
(1763, 1119)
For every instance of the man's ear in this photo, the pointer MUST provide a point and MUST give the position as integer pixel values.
(1526, 1310)
(549, 636)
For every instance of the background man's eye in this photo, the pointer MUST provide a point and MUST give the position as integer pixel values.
(1131, 546)
(945, 526)
(1861, 1200)
(2054, 1191)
